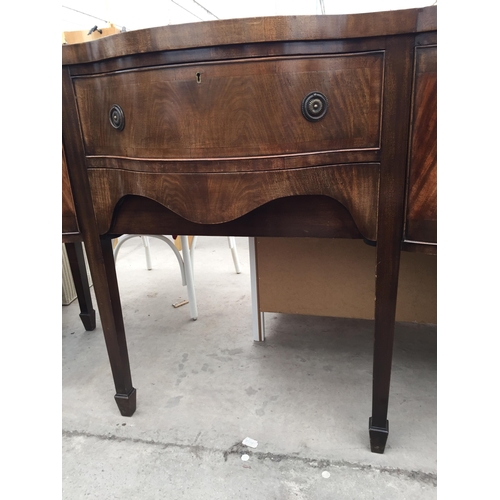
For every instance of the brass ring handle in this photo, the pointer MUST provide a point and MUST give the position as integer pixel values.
(117, 117)
(314, 106)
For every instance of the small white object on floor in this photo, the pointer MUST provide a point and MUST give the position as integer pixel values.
(325, 474)
(244, 457)
(250, 442)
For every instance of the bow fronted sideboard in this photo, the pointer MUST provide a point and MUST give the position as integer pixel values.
(319, 126)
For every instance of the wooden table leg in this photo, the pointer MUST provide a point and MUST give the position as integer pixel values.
(80, 279)
(397, 82)
(386, 288)
(114, 332)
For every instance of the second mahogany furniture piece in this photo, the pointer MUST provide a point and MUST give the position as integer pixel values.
(72, 238)
(318, 126)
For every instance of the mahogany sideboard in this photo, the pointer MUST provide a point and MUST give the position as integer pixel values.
(299, 126)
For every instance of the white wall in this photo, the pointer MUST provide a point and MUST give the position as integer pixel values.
(139, 14)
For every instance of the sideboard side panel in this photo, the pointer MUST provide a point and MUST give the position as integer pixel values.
(421, 214)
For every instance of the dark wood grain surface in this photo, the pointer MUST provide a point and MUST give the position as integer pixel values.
(217, 198)
(293, 216)
(69, 222)
(234, 109)
(421, 216)
(256, 30)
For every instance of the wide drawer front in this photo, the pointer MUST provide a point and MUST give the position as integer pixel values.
(204, 198)
(243, 108)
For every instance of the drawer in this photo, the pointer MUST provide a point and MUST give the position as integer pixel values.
(235, 109)
(217, 198)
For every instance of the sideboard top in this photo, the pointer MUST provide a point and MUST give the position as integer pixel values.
(252, 30)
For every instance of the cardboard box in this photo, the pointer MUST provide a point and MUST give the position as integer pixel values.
(336, 277)
(83, 36)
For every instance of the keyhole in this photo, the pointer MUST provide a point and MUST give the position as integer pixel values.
(198, 77)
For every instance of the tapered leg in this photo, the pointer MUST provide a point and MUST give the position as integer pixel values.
(385, 313)
(79, 273)
(114, 333)
(398, 72)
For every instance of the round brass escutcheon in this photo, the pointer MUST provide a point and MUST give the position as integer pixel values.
(117, 117)
(314, 106)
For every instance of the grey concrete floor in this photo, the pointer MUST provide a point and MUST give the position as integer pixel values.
(203, 386)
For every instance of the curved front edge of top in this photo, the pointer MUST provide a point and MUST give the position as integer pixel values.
(217, 198)
(252, 30)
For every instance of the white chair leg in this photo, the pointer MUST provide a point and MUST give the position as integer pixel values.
(145, 241)
(171, 244)
(234, 253)
(184, 261)
(121, 240)
(193, 245)
(258, 329)
(188, 268)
